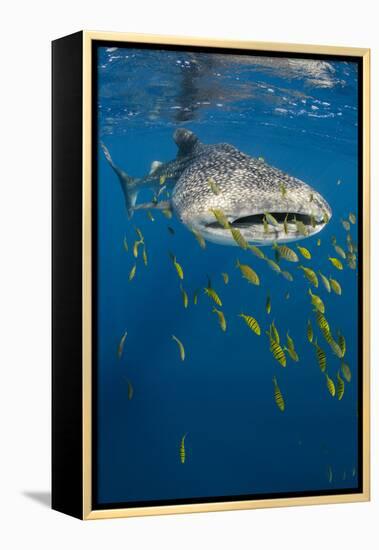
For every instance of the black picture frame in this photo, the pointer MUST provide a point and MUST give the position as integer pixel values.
(74, 140)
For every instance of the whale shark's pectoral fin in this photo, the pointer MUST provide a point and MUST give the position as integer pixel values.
(128, 184)
(162, 205)
(186, 141)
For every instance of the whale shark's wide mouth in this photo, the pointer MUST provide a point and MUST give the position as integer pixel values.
(280, 217)
(263, 228)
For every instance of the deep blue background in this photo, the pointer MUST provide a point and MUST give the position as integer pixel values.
(304, 121)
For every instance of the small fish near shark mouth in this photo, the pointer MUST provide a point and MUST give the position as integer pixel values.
(261, 203)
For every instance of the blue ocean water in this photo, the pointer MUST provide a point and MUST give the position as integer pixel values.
(301, 116)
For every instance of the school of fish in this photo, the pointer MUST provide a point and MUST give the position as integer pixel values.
(275, 226)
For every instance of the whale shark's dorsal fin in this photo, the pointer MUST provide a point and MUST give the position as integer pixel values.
(154, 166)
(186, 141)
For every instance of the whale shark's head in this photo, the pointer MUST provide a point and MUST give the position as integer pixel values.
(263, 203)
(263, 225)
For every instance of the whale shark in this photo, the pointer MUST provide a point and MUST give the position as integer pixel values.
(265, 204)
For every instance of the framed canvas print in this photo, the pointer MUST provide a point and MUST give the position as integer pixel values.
(210, 275)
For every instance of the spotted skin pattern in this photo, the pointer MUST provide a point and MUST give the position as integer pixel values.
(248, 188)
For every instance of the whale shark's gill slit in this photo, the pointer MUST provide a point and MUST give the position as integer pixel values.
(257, 219)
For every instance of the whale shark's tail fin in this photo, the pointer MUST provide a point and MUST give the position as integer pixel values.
(128, 184)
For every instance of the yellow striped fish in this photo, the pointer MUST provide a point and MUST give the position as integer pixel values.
(120, 347)
(214, 187)
(301, 228)
(322, 323)
(126, 246)
(144, 255)
(336, 287)
(321, 357)
(352, 261)
(292, 353)
(273, 333)
(330, 385)
(248, 273)
(270, 219)
(304, 252)
(286, 253)
(150, 216)
(316, 301)
(221, 218)
(346, 371)
(225, 278)
(290, 348)
(274, 266)
(180, 346)
(178, 267)
(283, 189)
(342, 343)
(340, 251)
(325, 281)
(251, 322)
(287, 275)
(130, 389)
(195, 297)
(132, 273)
(268, 305)
(139, 234)
(332, 343)
(199, 237)
(340, 387)
(285, 224)
(209, 291)
(335, 261)
(310, 275)
(221, 318)
(290, 342)
(167, 213)
(257, 251)
(325, 218)
(277, 352)
(182, 449)
(184, 296)
(279, 400)
(346, 225)
(136, 246)
(352, 218)
(239, 238)
(336, 349)
(309, 331)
